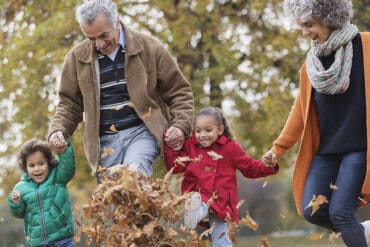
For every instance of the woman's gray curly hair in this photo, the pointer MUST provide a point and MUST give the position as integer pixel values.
(331, 13)
(89, 10)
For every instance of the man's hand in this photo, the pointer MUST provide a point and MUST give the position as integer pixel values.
(174, 138)
(57, 142)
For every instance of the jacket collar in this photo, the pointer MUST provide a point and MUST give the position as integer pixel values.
(221, 140)
(133, 46)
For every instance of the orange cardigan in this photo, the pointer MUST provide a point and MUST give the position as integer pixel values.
(303, 124)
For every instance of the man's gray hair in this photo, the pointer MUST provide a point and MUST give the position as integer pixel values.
(90, 9)
(331, 13)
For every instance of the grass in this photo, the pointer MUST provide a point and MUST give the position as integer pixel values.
(302, 241)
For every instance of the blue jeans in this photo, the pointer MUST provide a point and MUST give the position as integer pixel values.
(66, 242)
(220, 233)
(347, 172)
(134, 147)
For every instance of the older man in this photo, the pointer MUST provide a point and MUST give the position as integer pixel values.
(126, 88)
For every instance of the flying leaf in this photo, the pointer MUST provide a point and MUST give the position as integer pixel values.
(249, 222)
(362, 200)
(113, 128)
(316, 202)
(106, 152)
(240, 203)
(282, 215)
(117, 107)
(146, 114)
(264, 242)
(333, 186)
(214, 155)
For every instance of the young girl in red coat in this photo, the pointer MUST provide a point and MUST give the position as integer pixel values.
(209, 160)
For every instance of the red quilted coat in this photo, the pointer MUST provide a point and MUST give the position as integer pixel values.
(213, 170)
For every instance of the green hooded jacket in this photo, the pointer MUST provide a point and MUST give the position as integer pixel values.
(46, 207)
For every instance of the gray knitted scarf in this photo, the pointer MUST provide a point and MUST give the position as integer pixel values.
(334, 80)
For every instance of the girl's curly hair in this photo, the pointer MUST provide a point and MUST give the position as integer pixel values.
(331, 13)
(32, 146)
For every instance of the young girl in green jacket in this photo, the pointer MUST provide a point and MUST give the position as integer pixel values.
(41, 197)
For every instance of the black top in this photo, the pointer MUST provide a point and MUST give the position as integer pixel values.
(342, 117)
(116, 107)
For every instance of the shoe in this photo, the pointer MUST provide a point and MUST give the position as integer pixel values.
(193, 211)
(366, 225)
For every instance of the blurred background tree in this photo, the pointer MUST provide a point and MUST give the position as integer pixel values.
(242, 56)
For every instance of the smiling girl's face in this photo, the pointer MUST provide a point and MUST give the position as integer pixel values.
(207, 130)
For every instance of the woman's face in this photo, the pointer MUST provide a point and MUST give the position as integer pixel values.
(314, 30)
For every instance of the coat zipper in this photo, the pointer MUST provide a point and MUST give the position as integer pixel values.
(41, 216)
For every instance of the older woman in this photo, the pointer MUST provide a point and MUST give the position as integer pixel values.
(331, 116)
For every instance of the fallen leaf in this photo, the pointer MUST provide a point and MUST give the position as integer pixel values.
(333, 236)
(316, 236)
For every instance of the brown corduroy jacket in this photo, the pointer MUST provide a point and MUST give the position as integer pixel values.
(161, 95)
(303, 124)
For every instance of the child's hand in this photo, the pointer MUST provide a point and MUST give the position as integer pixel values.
(16, 196)
(174, 138)
(269, 159)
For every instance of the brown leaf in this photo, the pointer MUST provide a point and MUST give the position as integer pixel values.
(146, 114)
(249, 222)
(264, 242)
(240, 203)
(282, 215)
(106, 152)
(362, 200)
(316, 236)
(333, 186)
(117, 107)
(316, 202)
(113, 128)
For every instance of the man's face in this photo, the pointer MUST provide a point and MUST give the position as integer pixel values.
(102, 34)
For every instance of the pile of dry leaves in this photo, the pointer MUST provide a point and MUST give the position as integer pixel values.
(129, 209)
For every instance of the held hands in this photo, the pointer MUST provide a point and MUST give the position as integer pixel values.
(57, 142)
(174, 138)
(16, 196)
(269, 159)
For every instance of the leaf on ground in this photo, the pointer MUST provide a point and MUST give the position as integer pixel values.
(334, 236)
(316, 236)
